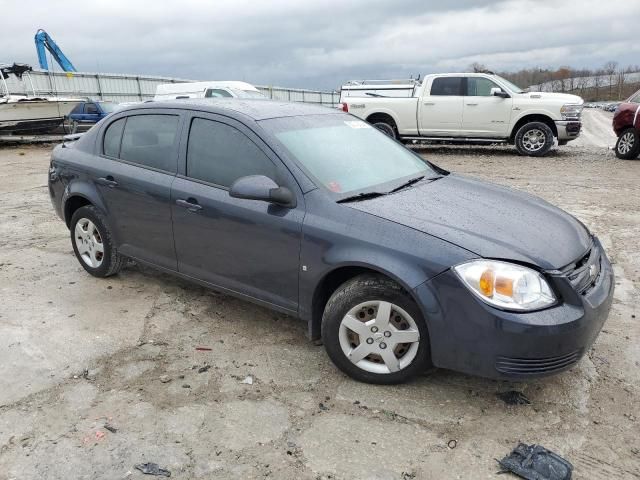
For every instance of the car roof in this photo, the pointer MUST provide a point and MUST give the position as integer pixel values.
(257, 109)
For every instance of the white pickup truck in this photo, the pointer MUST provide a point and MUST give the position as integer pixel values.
(466, 107)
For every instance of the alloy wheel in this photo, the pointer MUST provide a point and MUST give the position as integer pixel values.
(89, 242)
(625, 144)
(533, 140)
(379, 337)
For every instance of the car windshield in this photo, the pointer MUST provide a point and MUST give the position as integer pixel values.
(347, 155)
(108, 107)
(247, 93)
(511, 86)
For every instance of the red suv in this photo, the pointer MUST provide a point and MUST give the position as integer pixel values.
(626, 124)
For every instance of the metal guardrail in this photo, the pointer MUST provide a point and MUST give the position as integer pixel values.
(131, 88)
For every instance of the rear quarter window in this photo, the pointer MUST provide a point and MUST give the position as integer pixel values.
(112, 138)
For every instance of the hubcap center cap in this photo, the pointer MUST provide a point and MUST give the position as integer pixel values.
(378, 336)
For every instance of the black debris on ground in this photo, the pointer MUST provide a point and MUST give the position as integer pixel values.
(534, 462)
(513, 397)
(153, 469)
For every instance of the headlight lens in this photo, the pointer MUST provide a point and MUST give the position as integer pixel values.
(571, 111)
(506, 285)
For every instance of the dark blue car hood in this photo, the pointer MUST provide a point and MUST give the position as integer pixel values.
(489, 220)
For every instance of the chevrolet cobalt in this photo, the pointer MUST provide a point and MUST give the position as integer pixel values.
(395, 263)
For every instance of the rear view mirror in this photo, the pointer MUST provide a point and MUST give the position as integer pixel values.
(498, 92)
(259, 187)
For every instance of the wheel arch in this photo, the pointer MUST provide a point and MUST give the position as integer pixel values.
(382, 117)
(330, 282)
(533, 117)
(78, 195)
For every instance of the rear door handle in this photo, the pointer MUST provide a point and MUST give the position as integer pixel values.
(429, 103)
(472, 104)
(190, 204)
(107, 181)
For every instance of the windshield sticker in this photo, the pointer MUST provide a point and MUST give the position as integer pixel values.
(357, 124)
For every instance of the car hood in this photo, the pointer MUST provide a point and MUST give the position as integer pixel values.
(561, 98)
(486, 219)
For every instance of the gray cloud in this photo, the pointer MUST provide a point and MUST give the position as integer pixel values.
(322, 44)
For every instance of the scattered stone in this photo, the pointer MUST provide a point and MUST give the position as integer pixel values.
(204, 369)
(165, 378)
(248, 380)
(186, 385)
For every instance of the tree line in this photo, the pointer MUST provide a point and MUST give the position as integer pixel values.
(607, 83)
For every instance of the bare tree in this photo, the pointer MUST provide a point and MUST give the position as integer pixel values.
(610, 69)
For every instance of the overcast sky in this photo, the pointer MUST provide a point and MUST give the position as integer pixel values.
(321, 44)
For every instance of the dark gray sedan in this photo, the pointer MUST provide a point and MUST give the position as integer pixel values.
(395, 263)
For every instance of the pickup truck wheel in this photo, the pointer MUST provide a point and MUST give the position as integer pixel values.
(534, 139)
(386, 128)
(374, 332)
(92, 243)
(628, 144)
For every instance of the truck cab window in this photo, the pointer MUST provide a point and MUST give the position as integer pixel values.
(480, 87)
(216, 93)
(447, 86)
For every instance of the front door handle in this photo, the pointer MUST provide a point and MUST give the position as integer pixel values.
(472, 104)
(429, 103)
(190, 204)
(107, 181)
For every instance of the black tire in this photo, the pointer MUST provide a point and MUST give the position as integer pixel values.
(386, 128)
(111, 261)
(364, 288)
(629, 143)
(538, 148)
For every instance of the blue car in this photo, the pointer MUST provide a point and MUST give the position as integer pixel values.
(90, 112)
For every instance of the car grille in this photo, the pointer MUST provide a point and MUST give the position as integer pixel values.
(584, 273)
(536, 366)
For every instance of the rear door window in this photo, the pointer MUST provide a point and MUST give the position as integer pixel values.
(447, 86)
(149, 140)
(218, 153)
(112, 138)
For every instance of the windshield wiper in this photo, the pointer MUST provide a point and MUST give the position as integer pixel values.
(407, 183)
(361, 196)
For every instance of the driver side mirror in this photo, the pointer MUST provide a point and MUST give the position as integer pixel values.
(498, 92)
(259, 187)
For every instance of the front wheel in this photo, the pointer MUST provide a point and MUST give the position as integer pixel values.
(374, 332)
(628, 144)
(534, 139)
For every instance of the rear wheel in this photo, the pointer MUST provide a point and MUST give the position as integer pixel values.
(92, 243)
(534, 139)
(628, 144)
(374, 332)
(386, 128)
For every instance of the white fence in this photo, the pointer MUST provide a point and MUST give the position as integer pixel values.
(131, 88)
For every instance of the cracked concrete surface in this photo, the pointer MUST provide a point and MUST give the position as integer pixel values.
(79, 354)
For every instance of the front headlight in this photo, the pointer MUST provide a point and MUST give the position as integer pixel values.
(571, 111)
(506, 285)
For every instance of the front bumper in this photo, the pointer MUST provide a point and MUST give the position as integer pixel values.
(470, 336)
(568, 130)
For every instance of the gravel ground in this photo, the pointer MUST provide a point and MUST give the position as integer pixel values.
(99, 375)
